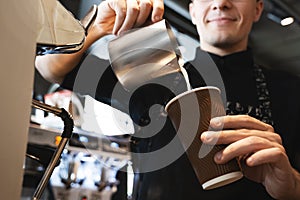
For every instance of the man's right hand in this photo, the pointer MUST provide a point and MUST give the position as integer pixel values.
(117, 16)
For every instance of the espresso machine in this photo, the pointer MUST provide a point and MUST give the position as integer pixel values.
(65, 162)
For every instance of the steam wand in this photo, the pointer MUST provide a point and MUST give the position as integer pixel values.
(66, 135)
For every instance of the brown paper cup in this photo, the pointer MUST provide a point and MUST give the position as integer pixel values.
(190, 113)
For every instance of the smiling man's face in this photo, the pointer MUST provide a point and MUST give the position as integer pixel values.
(224, 25)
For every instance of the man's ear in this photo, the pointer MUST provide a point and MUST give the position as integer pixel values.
(259, 9)
(192, 12)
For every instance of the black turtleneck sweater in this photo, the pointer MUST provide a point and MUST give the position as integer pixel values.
(233, 74)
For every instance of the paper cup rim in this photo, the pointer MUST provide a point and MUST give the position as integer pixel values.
(222, 180)
(190, 91)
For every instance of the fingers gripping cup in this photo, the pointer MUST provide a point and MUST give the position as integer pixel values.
(190, 113)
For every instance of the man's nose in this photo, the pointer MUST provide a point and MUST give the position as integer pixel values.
(221, 4)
